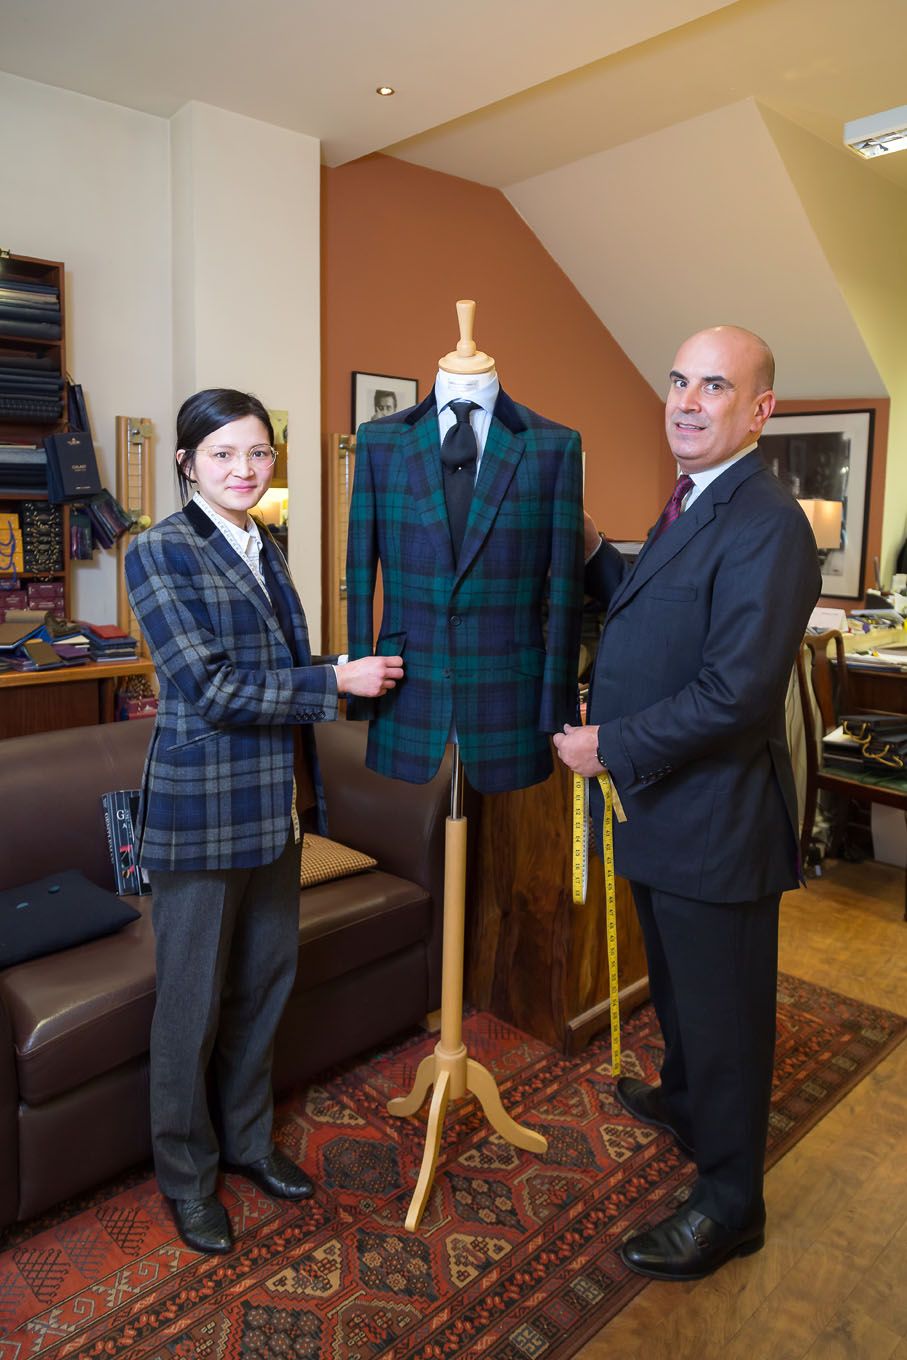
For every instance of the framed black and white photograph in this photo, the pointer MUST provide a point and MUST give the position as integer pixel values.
(825, 460)
(377, 394)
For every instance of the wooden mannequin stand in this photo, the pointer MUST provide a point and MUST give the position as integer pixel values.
(449, 1069)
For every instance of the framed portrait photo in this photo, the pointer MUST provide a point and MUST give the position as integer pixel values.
(378, 394)
(825, 460)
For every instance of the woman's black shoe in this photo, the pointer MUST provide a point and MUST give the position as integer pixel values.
(202, 1224)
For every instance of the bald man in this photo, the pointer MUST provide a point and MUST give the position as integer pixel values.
(686, 713)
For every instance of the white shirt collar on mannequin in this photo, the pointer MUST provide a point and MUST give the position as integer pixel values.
(482, 388)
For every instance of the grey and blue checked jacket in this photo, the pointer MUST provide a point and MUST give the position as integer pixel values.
(471, 633)
(218, 781)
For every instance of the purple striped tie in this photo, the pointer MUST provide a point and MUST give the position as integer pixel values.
(672, 509)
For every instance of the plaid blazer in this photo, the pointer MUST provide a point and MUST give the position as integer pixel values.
(218, 780)
(471, 633)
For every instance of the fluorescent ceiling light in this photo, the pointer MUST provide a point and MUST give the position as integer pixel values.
(878, 134)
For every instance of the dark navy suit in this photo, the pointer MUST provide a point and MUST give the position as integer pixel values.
(688, 692)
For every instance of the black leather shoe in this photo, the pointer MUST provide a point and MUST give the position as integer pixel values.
(645, 1104)
(276, 1175)
(202, 1224)
(689, 1246)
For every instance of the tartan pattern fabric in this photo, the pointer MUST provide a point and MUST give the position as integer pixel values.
(218, 781)
(470, 633)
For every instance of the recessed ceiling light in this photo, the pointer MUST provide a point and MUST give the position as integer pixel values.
(878, 134)
(385, 89)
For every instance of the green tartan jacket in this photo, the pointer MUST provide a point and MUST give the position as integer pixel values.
(471, 634)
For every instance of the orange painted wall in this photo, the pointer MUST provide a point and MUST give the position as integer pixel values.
(879, 454)
(400, 245)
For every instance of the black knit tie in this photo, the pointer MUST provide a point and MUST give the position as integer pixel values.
(459, 452)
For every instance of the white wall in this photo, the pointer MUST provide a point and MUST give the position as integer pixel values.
(247, 292)
(230, 298)
(697, 224)
(88, 183)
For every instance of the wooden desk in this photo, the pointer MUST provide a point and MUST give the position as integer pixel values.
(76, 696)
(882, 690)
(533, 958)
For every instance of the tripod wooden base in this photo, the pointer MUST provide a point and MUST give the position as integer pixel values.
(450, 1070)
(455, 1075)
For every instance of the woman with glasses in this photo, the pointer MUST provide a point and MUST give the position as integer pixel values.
(231, 767)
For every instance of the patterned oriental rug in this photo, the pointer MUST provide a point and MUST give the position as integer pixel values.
(515, 1257)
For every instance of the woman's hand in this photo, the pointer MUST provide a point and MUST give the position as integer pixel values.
(370, 676)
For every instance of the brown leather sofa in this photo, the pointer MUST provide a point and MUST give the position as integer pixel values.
(74, 1025)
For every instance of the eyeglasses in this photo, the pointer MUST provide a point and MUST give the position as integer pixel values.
(261, 455)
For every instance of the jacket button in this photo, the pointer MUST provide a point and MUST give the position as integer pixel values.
(455, 620)
(447, 675)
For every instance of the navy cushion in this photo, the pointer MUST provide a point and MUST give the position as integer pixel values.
(55, 913)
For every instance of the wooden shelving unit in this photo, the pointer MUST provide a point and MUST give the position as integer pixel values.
(32, 429)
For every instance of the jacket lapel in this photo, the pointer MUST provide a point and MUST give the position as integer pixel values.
(500, 458)
(286, 601)
(421, 448)
(229, 563)
(658, 552)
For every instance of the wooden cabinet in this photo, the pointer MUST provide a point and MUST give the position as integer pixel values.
(32, 393)
(533, 958)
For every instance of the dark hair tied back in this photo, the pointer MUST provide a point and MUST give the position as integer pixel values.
(204, 412)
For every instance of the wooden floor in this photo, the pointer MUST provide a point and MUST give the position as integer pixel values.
(832, 1280)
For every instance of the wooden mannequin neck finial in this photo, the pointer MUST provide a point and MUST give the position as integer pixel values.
(466, 358)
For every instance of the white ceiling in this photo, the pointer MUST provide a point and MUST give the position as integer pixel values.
(757, 260)
(314, 65)
(820, 63)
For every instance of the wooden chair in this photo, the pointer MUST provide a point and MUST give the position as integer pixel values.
(827, 686)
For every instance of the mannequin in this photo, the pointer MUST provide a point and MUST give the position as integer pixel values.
(467, 618)
(470, 626)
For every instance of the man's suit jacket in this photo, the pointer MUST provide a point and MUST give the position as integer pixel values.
(689, 690)
(218, 781)
(470, 633)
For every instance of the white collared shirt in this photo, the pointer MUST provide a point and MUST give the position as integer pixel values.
(705, 478)
(457, 387)
(246, 543)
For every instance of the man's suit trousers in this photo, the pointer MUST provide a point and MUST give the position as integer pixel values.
(713, 974)
(226, 947)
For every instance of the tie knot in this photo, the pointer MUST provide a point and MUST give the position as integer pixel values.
(681, 487)
(463, 409)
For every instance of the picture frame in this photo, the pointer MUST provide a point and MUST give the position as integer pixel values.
(825, 460)
(380, 394)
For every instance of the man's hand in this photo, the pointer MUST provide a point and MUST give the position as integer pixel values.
(370, 676)
(591, 536)
(578, 749)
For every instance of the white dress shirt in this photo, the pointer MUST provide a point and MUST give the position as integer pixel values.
(482, 388)
(705, 478)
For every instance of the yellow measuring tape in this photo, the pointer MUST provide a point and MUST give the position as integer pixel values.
(581, 881)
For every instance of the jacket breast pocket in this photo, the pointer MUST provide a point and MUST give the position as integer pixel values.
(672, 593)
(192, 742)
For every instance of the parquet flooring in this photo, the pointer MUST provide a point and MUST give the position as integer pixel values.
(831, 1283)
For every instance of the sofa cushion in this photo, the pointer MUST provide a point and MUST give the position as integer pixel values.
(84, 1011)
(55, 913)
(323, 860)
